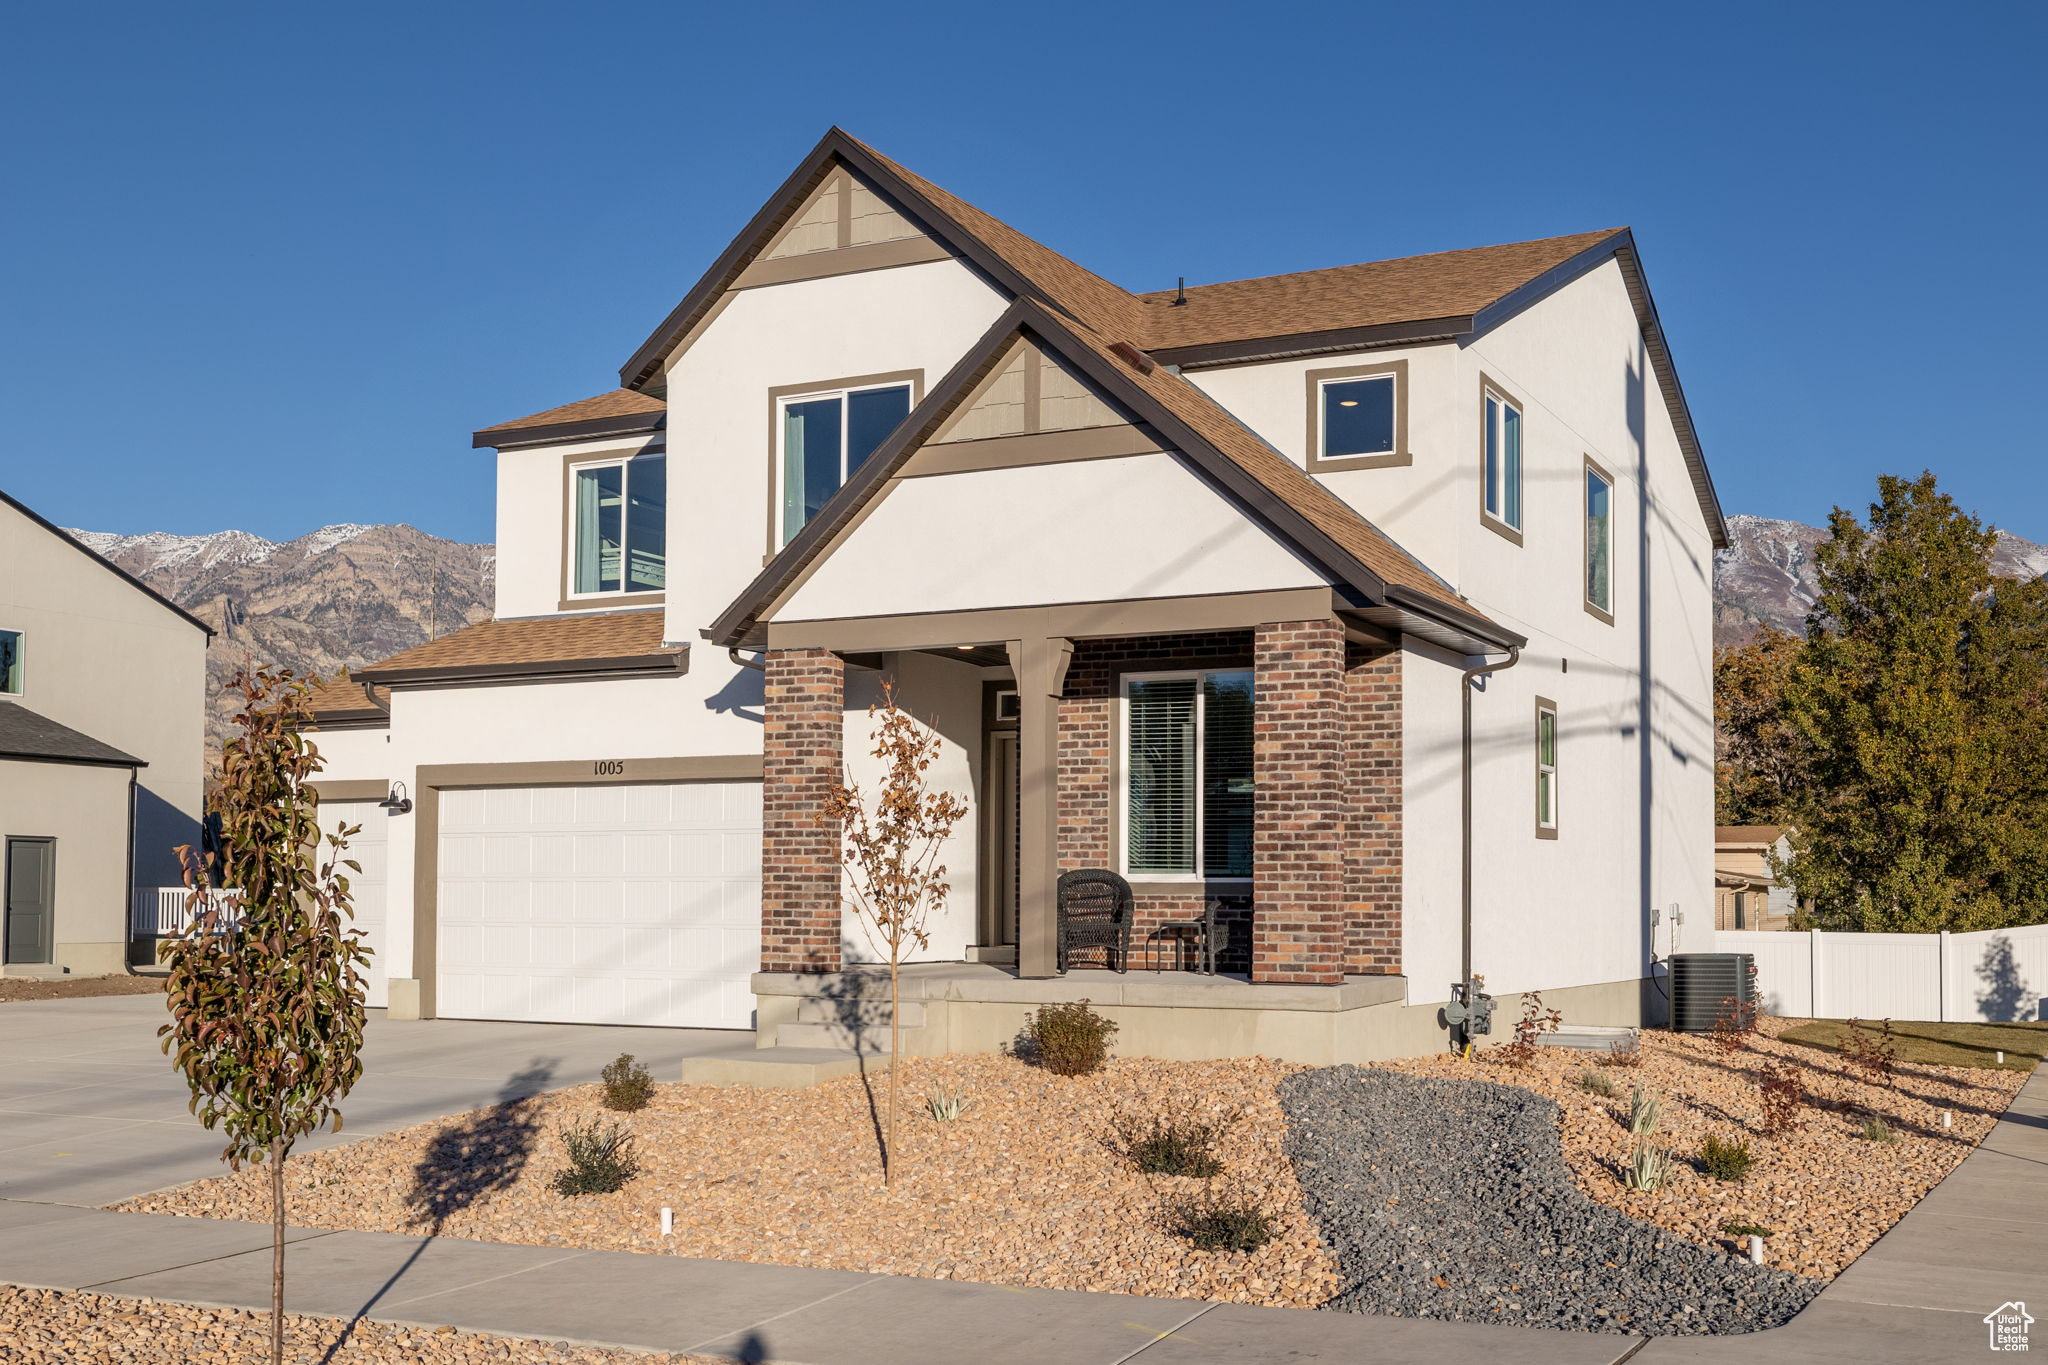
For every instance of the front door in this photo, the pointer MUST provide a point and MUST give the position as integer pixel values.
(1001, 813)
(31, 897)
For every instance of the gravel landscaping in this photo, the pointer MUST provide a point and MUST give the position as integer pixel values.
(47, 1327)
(77, 987)
(1023, 1189)
(1451, 1199)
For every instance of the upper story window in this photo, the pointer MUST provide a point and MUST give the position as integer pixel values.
(10, 663)
(1599, 542)
(825, 435)
(1546, 769)
(1500, 463)
(618, 522)
(1188, 775)
(1358, 417)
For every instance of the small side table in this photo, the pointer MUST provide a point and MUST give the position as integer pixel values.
(1201, 932)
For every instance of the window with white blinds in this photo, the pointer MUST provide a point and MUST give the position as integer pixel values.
(1188, 775)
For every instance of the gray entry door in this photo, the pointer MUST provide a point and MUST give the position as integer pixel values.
(31, 898)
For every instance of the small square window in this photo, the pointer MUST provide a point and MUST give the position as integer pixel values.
(1358, 417)
(10, 663)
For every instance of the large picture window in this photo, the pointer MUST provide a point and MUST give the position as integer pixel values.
(825, 437)
(1500, 462)
(619, 526)
(10, 663)
(1188, 775)
(1599, 543)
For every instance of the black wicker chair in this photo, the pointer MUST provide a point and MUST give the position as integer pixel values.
(1095, 912)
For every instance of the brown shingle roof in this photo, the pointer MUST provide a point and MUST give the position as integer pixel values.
(341, 697)
(1379, 293)
(535, 646)
(617, 403)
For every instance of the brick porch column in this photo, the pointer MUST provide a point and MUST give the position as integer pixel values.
(1372, 742)
(1298, 825)
(802, 760)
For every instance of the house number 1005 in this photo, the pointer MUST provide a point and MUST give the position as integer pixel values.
(609, 767)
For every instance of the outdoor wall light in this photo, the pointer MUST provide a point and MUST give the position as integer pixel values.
(398, 803)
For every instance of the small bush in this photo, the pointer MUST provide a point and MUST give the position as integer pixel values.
(1644, 1109)
(947, 1105)
(600, 1159)
(1215, 1220)
(1874, 1053)
(1734, 1025)
(1648, 1169)
(1068, 1040)
(1626, 1053)
(1781, 1093)
(1594, 1083)
(1534, 1023)
(1727, 1159)
(1733, 1228)
(1875, 1129)
(627, 1085)
(1167, 1145)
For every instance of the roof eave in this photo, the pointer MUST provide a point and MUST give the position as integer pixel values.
(561, 433)
(666, 661)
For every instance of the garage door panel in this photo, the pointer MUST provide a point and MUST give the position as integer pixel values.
(635, 904)
(366, 848)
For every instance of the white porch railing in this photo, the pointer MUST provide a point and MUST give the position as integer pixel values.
(1990, 976)
(165, 911)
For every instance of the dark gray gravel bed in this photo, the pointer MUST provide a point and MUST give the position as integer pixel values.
(1451, 1199)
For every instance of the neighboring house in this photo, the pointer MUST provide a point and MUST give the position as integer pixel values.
(102, 719)
(1187, 584)
(1748, 893)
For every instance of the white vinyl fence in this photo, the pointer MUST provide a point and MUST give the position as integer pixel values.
(165, 911)
(1992, 976)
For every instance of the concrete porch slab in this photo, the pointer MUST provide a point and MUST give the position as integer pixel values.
(986, 983)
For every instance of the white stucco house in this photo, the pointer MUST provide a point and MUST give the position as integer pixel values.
(102, 739)
(1195, 585)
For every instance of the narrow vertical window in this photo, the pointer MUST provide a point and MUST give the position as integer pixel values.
(1188, 775)
(1500, 463)
(1546, 769)
(619, 527)
(600, 493)
(1599, 543)
(10, 663)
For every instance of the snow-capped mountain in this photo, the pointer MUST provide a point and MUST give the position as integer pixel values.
(333, 599)
(1766, 576)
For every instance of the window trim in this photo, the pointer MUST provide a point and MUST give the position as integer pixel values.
(1596, 470)
(1506, 530)
(22, 637)
(571, 600)
(1121, 757)
(1318, 463)
(1546, 707)
(782, 394)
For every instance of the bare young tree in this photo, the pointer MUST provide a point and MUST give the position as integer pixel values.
(892, 841)
(266, 989)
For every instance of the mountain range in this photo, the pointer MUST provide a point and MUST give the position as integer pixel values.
(344, 596)
(338, 598)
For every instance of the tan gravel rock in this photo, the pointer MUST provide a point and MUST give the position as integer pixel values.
(1024, 1189)
(1826, 1193)
(47, 1327)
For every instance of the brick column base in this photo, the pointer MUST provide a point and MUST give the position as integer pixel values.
(803, 759)
(1298, 826)
(1372, 772)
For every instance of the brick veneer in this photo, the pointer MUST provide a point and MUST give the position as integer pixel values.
(1298, 823)
(803, 743)
(1372, 773)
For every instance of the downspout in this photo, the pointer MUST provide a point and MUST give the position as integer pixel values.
(1460, 1025)
(758, 665)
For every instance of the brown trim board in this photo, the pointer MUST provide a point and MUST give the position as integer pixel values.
(1043, 447)
(668, 661)
(846, 260)
(1072, 620)
(360, 789)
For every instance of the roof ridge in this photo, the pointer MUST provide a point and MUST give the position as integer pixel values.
(1588, 237)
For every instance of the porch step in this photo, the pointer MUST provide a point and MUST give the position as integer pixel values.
(1587, 1037)
(777, 1068)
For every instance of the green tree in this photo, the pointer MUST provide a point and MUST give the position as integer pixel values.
(266, 994)
(1917, 704)
(1759, 764)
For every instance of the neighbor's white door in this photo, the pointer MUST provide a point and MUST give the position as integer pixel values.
(366, 888)
(634, 904)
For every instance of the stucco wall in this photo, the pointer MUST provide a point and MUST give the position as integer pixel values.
(85, 809)
(533, 524)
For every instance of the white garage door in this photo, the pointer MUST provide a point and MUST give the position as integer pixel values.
(601, 905)
(366, 888)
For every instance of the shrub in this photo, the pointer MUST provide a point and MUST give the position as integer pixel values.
(1781, 1093)
(1643, 1110)
(1648, 1169)
(1166, 1145)
(1070, 1039)
(1594, 1083)
(627, 1084)
(1215, 1220)
(1534, 1023)
(1727, 1159)
(1626, 1053)
(1875, 1129)
(947, 1105)
(1735, 1228)
(600, 1159)
(1875, 1054)
(1734, 1025)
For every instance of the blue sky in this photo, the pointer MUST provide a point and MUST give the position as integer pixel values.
(268, 266)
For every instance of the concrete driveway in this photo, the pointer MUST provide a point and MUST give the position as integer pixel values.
(91, 1112)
